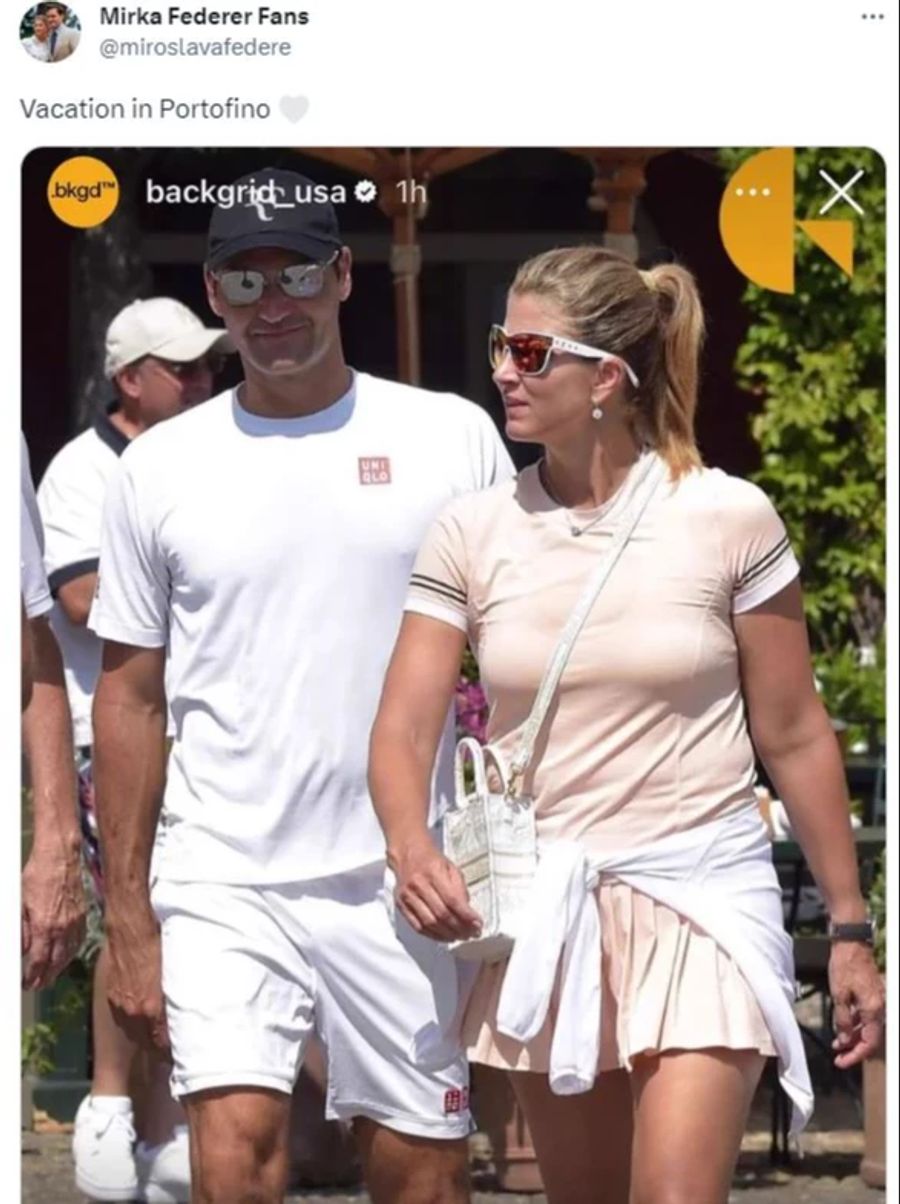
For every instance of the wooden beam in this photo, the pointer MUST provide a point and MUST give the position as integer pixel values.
(357, 159)
(439, 162)
(617, 154)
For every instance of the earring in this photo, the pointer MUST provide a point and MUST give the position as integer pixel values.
(597, 413)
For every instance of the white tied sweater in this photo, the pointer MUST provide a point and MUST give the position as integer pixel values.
(718, 875)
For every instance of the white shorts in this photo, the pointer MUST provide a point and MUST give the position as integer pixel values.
(249, 972)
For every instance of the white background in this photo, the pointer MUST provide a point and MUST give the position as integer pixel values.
(429, 73)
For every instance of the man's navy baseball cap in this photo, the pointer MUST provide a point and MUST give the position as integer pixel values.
(272, 208)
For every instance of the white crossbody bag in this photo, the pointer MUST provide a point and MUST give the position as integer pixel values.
(489, 834)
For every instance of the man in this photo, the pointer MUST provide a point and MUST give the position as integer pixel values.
(63, 38)
(159, 362)
(266, 539)
(52, 894)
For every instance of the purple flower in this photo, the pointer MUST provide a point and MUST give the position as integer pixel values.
(471, 710)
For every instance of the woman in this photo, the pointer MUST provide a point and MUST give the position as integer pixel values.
(38, 45)
(697, 639)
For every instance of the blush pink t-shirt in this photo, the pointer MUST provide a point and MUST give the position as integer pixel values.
(647, 734)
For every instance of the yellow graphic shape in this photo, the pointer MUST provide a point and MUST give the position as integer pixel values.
(83, 192)
(756, 219)
(836, 240)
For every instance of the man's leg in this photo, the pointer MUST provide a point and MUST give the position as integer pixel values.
(157, 1112)
(239, 1001)
(400, 1169)
(239, 1145)
(113, 1049)
(104, 1136)
(122, 1068)
(376, 995)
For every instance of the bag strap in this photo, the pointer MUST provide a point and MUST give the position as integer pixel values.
(650, 475)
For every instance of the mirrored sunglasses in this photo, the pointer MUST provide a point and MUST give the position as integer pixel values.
(530, 351)
(245, 286)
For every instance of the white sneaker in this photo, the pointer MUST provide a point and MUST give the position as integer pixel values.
(103, 1148)
(164, 1171)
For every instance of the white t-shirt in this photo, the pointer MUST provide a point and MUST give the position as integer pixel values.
(32, 577)
(271, 557)
(70, 497)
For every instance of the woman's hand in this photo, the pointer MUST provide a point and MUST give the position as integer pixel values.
(431, 893)
(857, 990)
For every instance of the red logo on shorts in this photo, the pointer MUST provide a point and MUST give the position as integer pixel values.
(456, 1100)
(374, 470)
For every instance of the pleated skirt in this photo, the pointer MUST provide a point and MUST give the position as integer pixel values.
(666, 985)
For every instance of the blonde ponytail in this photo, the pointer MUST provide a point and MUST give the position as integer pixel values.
(677, 368)
(652, 319)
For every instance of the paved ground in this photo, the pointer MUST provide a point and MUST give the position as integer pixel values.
(827, 1175)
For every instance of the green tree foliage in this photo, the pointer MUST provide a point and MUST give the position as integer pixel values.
(816, 361)
(878, 911)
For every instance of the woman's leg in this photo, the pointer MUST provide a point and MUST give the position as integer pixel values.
(582, 1142)
(691, 1108)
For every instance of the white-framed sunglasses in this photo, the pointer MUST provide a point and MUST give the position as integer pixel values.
(531, 351)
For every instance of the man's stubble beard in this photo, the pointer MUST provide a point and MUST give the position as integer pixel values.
(295, 367)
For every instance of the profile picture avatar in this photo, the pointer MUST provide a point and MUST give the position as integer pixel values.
(83, 192)
(50, 32)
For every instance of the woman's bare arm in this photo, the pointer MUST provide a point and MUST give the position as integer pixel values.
(417, 694)
(793, 736)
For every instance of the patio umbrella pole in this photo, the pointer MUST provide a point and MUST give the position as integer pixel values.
(403, 200)
(406, 262)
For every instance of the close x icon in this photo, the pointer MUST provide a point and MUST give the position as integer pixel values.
(757, 220)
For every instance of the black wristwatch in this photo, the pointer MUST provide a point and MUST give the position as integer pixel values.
(862, 930)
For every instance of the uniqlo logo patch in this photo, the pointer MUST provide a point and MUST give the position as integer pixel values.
(374, 470)
(456, 1100)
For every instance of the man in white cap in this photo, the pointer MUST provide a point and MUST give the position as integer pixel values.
(160, 361)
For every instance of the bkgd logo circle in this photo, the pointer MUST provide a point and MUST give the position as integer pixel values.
(83, 192)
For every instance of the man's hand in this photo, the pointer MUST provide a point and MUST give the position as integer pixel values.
(53, 915)
(135, 981)
(431, 893)
(857, 990)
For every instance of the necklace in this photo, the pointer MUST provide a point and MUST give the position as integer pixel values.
(576, 529)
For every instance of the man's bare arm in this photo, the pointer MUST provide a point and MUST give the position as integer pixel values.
(129, 720)
(27, 665)
(53, 906)
(76, 596)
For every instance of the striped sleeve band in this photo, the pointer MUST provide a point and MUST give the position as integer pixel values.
(438, 599)
(768, 574)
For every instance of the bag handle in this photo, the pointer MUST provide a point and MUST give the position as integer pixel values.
(649, 477)
(480, 754)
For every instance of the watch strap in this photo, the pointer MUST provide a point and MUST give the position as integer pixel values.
(862, 930)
